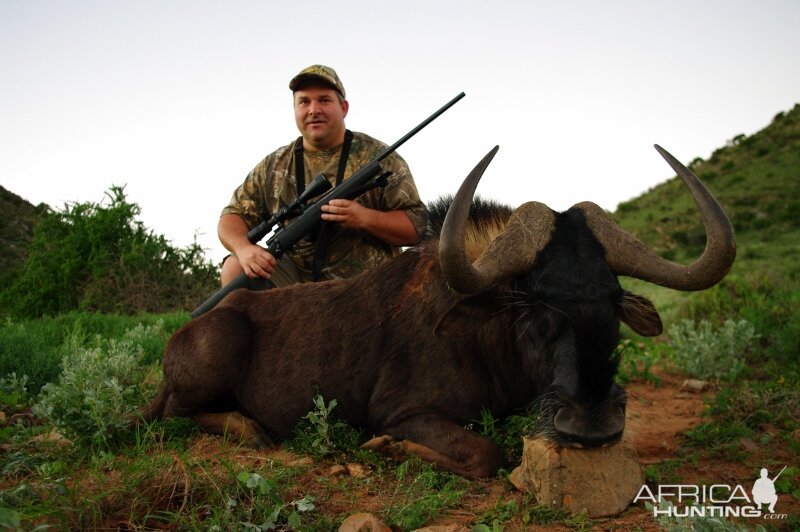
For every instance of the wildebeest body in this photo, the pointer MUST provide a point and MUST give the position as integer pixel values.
(365, 341)
(527, 310)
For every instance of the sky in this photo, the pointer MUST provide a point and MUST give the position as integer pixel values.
(179, 100)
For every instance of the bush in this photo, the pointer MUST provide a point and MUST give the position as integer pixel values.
(35, 347)
(99, 388)
(769, 300)
(705, 353)
(320, 433)
(98, 257)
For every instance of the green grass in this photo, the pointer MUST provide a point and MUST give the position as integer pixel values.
(35, 347)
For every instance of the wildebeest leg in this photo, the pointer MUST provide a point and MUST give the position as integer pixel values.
(446, 444)
(236, 426)
(204, 363)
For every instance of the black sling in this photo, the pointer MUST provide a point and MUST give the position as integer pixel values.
(326, 229)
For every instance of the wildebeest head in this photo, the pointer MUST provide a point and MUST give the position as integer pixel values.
(557, 272)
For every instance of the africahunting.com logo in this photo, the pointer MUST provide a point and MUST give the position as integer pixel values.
(717, 500)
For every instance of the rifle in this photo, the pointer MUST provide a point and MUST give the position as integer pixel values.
(779, 474)
(368, 177)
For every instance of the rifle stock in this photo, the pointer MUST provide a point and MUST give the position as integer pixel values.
(366, 178)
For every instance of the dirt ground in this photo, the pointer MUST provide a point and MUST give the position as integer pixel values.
(657, 417)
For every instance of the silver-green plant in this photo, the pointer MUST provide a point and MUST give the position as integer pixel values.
(708, 353)
(13, 389)
(98, 390)
(267, 495)
(323, 425)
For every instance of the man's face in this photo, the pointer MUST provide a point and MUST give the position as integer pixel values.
(320, 117)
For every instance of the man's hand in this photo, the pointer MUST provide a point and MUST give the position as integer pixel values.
(348, 213)
(251, 259)
(256, 261)
(393, 227)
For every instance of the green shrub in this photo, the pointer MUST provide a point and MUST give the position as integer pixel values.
(35, 347)
(99, 388)
(264, 499)
(320, 434)
(768, 300)
(13, 389)
(98, 257)
(706, 353)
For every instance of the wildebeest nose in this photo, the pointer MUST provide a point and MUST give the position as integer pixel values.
(577, 428)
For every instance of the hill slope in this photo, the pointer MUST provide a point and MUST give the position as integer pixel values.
(17, 217)
(757, 180)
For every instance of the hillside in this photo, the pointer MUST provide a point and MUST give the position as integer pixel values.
(756, 178)
(17, 217)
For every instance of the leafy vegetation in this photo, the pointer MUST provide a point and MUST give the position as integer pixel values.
(321, 434)
(79, 348)
(17, 218)
(99, 257)
(708, 353)
(98, 389)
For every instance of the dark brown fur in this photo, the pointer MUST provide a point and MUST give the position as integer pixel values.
(369, 342)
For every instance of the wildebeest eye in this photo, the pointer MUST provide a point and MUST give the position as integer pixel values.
(640, 314)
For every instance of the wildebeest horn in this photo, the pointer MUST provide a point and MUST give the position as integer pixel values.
(511, 253)
(630, 257)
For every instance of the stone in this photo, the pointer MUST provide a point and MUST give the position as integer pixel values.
(444, 528)
(694, 386)
(53, 437)
(363, 522)
(337, 471)
(602, 481)
(357, 470)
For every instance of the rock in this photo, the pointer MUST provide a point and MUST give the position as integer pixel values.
(303, 461)
(53, 437)
(337, 470)
(353, 470)
(357, 470)
(443, 528)
(694, 386)
(363, 522)
(602, 481)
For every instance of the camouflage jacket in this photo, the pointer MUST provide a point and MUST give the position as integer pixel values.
(272, 184)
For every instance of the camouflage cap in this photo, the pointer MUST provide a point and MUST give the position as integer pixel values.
(322, 73)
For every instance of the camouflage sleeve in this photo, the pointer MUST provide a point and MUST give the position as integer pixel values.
(258, 195)
(401, 193)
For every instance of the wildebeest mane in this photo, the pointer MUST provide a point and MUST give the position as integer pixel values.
(487, 218)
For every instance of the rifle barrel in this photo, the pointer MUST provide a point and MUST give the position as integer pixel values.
(779, 474)
(416, 130)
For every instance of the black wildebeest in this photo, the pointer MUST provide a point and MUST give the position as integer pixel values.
(511, 308)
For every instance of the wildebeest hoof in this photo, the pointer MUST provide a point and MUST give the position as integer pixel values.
(378, 443)
(388, 447)
(260, 441)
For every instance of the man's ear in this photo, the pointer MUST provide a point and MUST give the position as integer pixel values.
(640, 314)
(469, 314)
(345, 108)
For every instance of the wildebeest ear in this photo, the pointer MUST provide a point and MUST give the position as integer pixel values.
(469, 314)
(640, 314)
